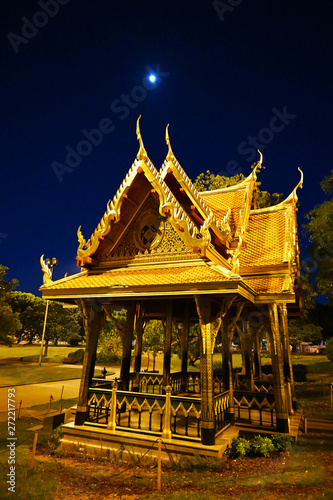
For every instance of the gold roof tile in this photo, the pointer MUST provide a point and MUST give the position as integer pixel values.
(267, 284)
(265, 240)
(138, 277)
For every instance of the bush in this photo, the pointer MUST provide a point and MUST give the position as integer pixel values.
(259, 446)
(240, 447)
(329, 349)
(107, 358)
(77, 355)
(282, 442)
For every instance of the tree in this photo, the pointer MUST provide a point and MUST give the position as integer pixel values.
(319, 231)
(109, 339)
(62, 324)
(207, 181)
(329, 349)
(153, 339)
(9, 320)
(303, 331)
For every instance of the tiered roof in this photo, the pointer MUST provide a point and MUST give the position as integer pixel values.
(160, 236)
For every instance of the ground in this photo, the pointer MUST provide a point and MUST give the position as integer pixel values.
(305, 472)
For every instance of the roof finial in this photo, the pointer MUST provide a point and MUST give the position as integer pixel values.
(259, 165)
(300, 184)
(167, 140)
(142, 154)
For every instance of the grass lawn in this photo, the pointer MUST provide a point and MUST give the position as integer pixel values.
(31, 353)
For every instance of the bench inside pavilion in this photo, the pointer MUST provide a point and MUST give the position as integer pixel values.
(163, 250)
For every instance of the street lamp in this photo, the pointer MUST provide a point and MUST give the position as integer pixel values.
(47, 268)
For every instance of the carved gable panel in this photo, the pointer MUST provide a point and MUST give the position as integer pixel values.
(149, 237)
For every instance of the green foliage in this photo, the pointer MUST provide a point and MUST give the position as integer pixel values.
(77, 355)
(208, 181)
(319, 230)
(329, 349)
(282, 442)
(240, 447)
(259, 446)
(9, 320)
(303, 331)
(153, 338)
(110, 338)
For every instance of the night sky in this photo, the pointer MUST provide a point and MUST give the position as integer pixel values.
(230, 75)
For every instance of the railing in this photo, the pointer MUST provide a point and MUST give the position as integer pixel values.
(146, 412)
(255, 408)
(258, 385)
(221, 406)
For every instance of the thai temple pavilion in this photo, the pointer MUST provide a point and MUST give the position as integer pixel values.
(163, 250)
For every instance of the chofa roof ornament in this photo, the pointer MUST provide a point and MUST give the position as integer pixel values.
(142, 153)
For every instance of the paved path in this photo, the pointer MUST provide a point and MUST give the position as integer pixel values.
(36, 394)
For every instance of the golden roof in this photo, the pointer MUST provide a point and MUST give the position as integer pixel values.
(222, 243)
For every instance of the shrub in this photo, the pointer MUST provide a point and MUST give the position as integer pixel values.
(77, 355)
(259, 446)
(107, 358)
(329, 349)
(239, 448)
(282, 442)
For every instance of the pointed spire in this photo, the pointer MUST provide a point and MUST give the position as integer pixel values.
(258, 165)
(300, 184)
(142, 154)
(167, 140)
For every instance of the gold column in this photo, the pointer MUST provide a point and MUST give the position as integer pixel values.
(93, 321)
(288, 368)
(166, 433)
(277, 364)
(208, 333)
(167, 345)
(113, 409)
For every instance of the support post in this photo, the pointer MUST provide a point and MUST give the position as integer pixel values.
(113, 409)
(282, 420)
(138, 328)
(288, 368)
(167, 345)
(127, 348)
(208, 333)
(166, 433)
(93, 321)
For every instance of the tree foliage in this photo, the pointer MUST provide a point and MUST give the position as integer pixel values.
(9, 320)
(319, 232)
(329, 349)
(302, 331)
(208, 181)
(153, 338)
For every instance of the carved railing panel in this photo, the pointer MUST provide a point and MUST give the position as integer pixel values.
(255, 408)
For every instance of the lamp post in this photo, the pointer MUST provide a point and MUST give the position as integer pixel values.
(47, 268)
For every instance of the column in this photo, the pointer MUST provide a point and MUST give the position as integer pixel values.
(278, 376)
(127, 348)
(288, 368)
(208, 332)
(93, 321)
(167, 345)
(138, 328)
